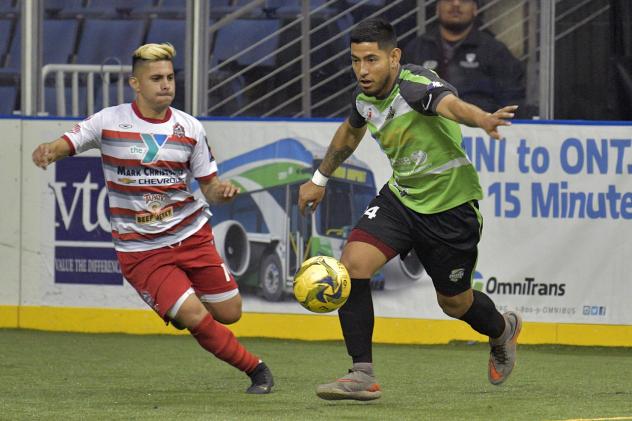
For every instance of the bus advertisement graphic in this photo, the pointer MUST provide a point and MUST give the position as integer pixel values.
(261, 234)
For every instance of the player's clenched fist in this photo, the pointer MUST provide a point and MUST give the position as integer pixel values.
(225, 191)
(47, 153)
(43, 155)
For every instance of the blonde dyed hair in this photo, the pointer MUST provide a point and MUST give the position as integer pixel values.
(153, 52)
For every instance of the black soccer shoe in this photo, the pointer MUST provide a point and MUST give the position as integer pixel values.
(262, 380)
(176, 324)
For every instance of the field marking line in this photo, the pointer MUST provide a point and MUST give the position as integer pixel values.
(599, 419)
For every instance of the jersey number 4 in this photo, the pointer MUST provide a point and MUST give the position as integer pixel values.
(371, 212)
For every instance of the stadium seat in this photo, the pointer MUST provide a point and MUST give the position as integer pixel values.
(9, 95)
(55, 8)
(14, 52)
(109, 40)
(176, 9)
(240, 34)
(293, 8)
(117, 8)
(368, 8)
(8, 5)
(171, 9)
(9, 8)
(59, 40)
(169, 30)
(5, 36)
(225, 91)
(58, 37)
(119, 4)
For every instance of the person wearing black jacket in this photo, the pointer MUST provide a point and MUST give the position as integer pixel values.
(482, 69)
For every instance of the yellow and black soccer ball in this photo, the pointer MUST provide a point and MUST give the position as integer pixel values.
(322, 284)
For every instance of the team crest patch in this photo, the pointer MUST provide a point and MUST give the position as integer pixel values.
(457, 274)
(178, 130)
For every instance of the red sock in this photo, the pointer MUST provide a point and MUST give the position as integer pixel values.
(220, 341)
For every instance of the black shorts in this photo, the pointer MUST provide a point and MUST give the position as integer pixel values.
(445, 242)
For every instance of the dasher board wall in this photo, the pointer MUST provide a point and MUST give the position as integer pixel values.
(556, 245)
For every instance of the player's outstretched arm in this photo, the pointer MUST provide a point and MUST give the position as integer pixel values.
(47, 153)
(345, 141)
(219, 191)
(463, 112)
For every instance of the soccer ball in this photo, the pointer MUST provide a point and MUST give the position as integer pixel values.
(322, 284)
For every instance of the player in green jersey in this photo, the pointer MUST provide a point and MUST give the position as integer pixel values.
(430, 203)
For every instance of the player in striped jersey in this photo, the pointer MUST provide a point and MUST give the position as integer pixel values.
(161, 234)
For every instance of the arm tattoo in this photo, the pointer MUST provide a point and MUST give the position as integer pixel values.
(334, 158)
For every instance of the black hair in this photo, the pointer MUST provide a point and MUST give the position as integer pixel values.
(375, 30)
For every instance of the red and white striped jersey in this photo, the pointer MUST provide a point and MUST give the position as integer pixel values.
(148, 165)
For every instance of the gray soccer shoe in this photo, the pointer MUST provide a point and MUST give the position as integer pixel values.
(355, 385)
(502, 356)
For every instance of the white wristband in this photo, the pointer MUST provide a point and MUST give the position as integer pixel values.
(319, 179)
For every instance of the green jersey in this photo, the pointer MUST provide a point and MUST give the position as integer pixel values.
(431, 172)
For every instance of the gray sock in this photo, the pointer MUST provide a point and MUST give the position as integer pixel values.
(364, 367)
(506, 333)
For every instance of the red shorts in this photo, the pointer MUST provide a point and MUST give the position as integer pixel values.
(163, 275)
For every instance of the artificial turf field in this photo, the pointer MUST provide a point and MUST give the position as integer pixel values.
(71, 376)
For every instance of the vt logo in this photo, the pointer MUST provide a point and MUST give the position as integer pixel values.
(153, 142)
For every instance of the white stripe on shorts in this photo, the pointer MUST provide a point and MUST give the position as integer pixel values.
(174, 309)
(218, 298)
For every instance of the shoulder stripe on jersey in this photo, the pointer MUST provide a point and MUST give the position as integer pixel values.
(131, 236)
(182, 139)
(110, 160)
(411, 77)
(116, 135)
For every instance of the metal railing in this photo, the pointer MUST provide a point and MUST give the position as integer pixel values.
(289, 90)
(311, 76)
(61, 71)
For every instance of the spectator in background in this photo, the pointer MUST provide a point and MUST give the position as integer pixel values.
(482, 69)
